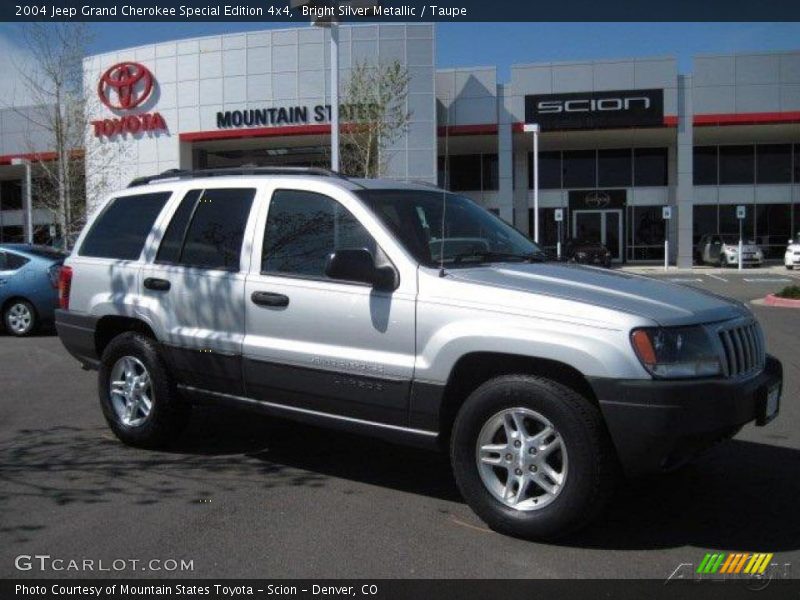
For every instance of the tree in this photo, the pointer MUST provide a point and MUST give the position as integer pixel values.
(374, 116)
(57, 122)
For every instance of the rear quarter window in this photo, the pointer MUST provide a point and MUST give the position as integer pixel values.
(15, 261)
(122, 228)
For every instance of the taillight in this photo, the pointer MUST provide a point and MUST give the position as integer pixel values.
(64, 287)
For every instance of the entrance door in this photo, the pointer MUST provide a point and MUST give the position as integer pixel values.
(600, 226)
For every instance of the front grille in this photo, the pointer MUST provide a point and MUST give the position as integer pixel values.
(743, 349)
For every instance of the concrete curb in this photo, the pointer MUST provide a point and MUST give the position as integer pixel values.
(773, 300)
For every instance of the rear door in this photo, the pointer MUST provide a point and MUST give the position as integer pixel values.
(330, 346)
(195, 283)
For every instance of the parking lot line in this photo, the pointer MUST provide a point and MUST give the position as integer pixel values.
(718, 277)
(766, 280)
(684, 279)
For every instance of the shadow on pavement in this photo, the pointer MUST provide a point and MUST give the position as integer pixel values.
(741, 496)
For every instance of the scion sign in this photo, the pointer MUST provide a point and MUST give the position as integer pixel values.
(596, 110)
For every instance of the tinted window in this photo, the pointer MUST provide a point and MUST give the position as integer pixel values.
(171, 245)
(705, 165)
(704, 220)
(303, 228)
(465, 172)
(491, 178)
(15, 261)
(10, 195)
(549, 170)
(736, 164)
(122, 228)
(580, 169)
(774, 163)
(214, 237)
(614, 168)
(649, 166)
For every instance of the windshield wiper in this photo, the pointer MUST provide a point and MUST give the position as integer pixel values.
(498, 257)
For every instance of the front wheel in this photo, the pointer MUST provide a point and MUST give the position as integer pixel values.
(137, 393)
(532, 457)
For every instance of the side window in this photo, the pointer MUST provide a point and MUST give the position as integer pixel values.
(303, 228)
(122, 228)
(15, 261)
(207, 229)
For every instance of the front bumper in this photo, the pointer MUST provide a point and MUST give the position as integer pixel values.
(746, 260)
(657, 425)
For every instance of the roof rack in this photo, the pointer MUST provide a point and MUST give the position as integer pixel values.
(244, 170)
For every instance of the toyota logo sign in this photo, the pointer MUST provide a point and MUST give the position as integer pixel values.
(597, 199)
(125, 86)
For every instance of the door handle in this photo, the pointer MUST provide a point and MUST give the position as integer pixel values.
(159, 285)
(270, 299)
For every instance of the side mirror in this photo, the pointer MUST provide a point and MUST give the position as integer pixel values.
(358, 265)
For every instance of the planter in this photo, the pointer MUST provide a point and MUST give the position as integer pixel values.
(773, 300)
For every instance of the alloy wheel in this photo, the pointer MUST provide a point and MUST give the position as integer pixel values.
(522, 459)
(19, 318)
(131, 391)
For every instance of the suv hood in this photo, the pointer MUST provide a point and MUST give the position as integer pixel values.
(665, 303)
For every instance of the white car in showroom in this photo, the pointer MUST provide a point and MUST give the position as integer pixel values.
(792, 256)
(723, 250)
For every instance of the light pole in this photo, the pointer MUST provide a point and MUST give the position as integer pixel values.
(334, 96)
(534, 128)
(26, 198)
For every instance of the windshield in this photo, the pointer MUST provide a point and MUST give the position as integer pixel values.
(470, 235)
(732, 239)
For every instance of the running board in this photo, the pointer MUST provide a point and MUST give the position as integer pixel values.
(393, 433)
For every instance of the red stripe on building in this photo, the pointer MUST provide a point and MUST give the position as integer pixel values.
(747, 118)
(455, 130)
(232, 134)
(5, 159)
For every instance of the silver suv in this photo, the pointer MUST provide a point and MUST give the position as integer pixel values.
(410, 313)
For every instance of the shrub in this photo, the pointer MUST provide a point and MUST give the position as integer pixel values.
(790, 291)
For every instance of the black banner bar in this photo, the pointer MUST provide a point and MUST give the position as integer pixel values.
(399, 11)
(399, 589)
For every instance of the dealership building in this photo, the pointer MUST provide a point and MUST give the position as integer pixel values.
(619, 139)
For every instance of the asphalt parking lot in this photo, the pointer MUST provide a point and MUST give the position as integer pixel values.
(243, 496)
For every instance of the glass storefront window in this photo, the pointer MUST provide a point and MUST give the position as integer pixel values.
(650, 166)
(548, 229)
(773, 228)
(549, 170)
(705, 165)
(774, 163)
(736, 165)
(465, 172)
(469, 172)
(11, 195)
(729, 224)
(614, 168)
(704, 220)
(491, 174)
(580, 169)
(647, 231)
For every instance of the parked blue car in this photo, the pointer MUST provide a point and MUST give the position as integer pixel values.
(28, 286)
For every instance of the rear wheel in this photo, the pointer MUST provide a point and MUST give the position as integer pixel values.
(139, 399)
(20, 318)
(532, 457)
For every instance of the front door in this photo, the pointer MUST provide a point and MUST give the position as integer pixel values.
(319, 344)
(599, 226)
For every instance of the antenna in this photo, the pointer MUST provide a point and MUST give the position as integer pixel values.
(445, 182)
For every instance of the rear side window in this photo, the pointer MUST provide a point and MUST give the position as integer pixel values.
(15, 261)
(207, 229)
(303, 228)
(122, 228)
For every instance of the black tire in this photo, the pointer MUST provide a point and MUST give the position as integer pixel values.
(593, 466)
(169, 413)
(10, 318)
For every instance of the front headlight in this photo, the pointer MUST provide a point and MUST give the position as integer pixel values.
(676, 352)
